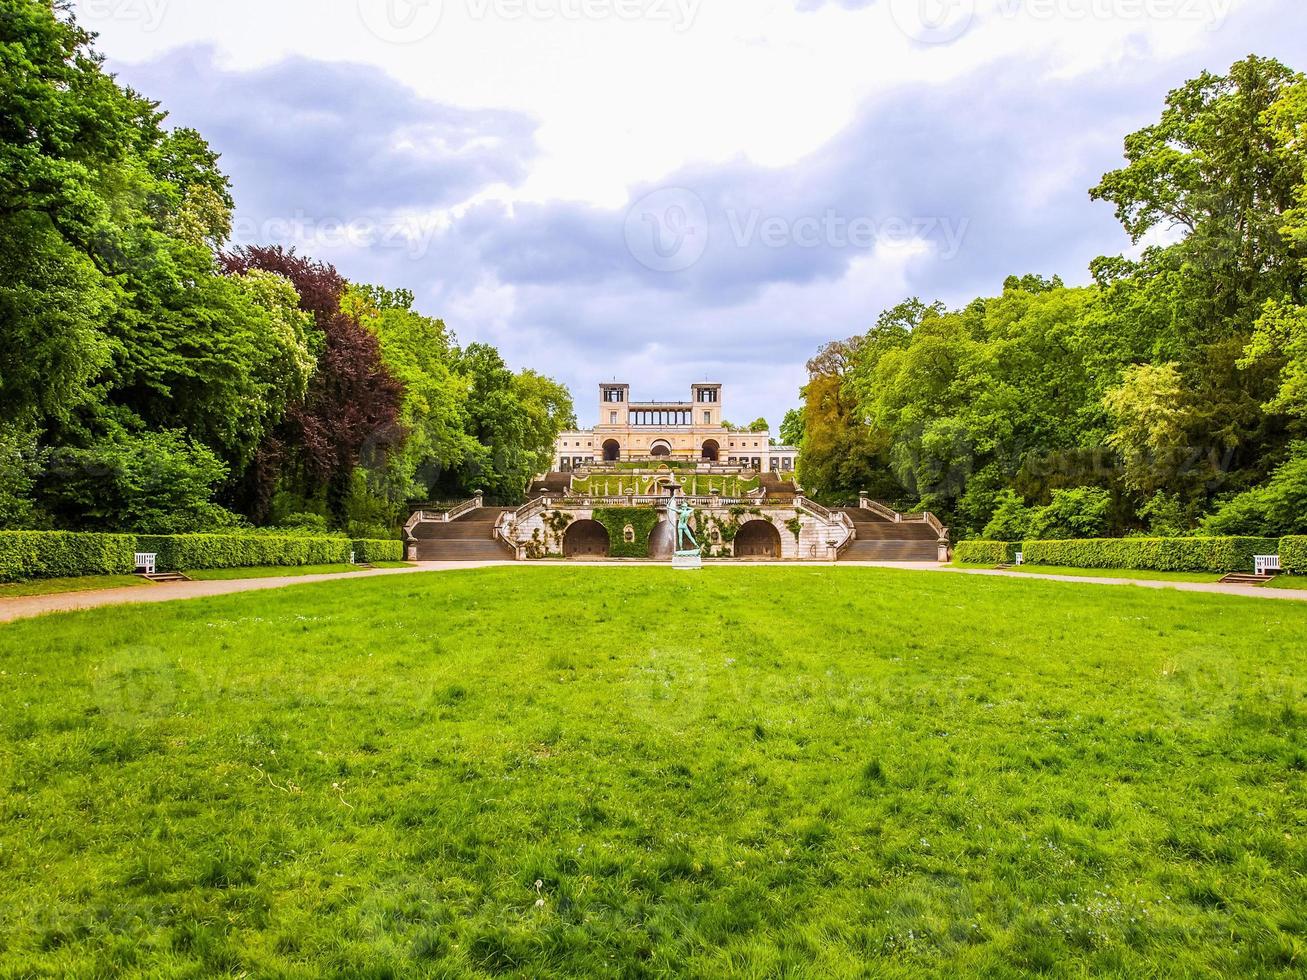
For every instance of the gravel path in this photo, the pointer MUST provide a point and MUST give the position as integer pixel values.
(26, 607)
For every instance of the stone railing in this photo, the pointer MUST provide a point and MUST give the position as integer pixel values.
(816, 510)
(876, 507)
(928, 518)
(442, 516)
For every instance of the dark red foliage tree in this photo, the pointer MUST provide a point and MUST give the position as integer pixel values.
(350, 411)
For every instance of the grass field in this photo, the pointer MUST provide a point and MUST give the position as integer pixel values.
(53, 586)
(1131, 573)
(628, 771)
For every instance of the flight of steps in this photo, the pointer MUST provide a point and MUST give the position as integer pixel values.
(554, 484)
(881, 540)
(774, 487)
(1237, 578)
(470, 538)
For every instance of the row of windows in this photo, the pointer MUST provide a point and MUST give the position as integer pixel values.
(707, 396)
(665, 418)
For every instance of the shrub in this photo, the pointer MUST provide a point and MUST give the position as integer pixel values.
(370, 550)
(985, 552)
(63, 554)
(1293, 555)
(1277, 507)
(1011, 520)
(180, 552)
(1082, 512)
(1152, 554)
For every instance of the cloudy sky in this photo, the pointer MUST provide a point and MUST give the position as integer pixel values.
(664, 191)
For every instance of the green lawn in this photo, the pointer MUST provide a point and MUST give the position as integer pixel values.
(284, 571)
(88, 583)
(269, 571)
(1288, 582)
(762, 771)
(1130, 573)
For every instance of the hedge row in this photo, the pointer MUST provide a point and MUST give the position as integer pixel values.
(68, 554)
(369, 552)
(1144, 554)
(1153, 554)
(985, 553)
(63, 554)
(1293, 555)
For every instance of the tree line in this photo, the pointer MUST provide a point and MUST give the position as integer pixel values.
(1169, 397)
(154, 379)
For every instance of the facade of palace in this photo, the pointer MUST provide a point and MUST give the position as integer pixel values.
(688, 431)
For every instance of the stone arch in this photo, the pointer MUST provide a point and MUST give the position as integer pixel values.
(758, 539)
(660, 449)
(586, 539)
(612, 451)
(712, 450)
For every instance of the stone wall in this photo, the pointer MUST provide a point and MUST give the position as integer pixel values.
(542, 536)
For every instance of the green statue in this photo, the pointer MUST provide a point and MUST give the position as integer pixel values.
(680, 514)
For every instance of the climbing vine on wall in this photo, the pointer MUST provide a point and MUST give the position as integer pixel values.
(615, 519)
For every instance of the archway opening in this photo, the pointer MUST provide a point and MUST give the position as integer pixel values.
(612, 451)
(660, 450)
(758, 540)
(586, 539)
(711, 450)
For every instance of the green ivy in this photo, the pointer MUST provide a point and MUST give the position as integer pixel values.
(614, 519)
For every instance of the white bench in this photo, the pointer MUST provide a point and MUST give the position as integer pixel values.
(1265, 564)
(146, 560)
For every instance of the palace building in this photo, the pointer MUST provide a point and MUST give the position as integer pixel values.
(688, 431)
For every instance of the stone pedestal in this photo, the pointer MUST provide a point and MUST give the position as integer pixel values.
(687, 561)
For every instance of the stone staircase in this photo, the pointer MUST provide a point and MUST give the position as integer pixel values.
(775, 487)
(553, 484)
(879, 539)
(1238, 578)
(469, 538)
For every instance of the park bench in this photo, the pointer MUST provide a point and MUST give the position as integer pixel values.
(145, 561)
(1265, 568)
(1266, 564)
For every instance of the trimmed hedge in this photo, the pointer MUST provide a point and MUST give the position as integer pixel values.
(366, 552)
(1293, 555)
(64, 554)
(1153, 554)
(183, 552)
(985, 552)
